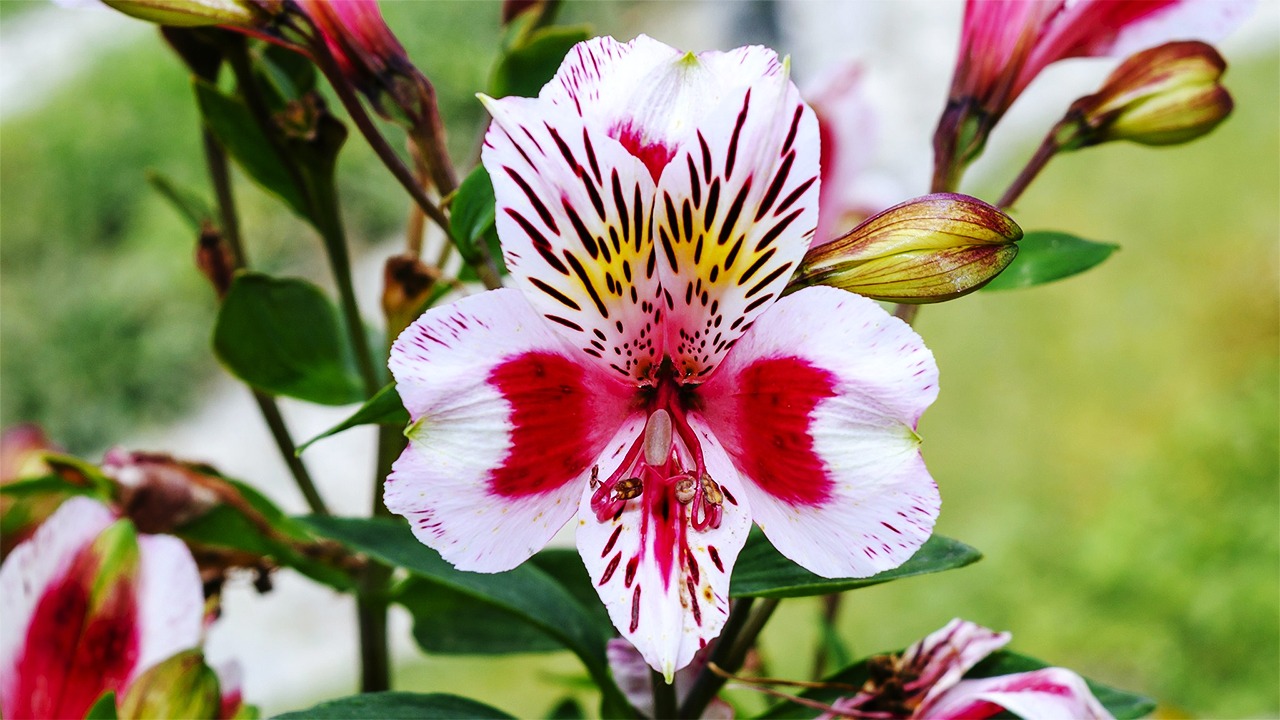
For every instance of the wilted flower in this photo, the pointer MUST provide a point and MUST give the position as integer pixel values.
(646, 377)
(88, 605)
(1005, 44)
(157, 492)
(934, 248)
(1162, 96)
(925, 682)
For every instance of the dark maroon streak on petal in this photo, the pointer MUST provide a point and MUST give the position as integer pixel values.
(551, 424)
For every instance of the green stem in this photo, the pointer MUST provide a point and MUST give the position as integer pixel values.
(220, 176)
(1043, 155)
(708, 683)
(664, 696)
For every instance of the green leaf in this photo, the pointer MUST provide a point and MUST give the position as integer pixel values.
(567, 709)
(384, 408)
(1045, 256)
(1123, 705)
(283, 336)
(230, 120)
(289, 74)
(526, 591)
(449, 622)
(227, 527)
(187, 202)
(526, 68)
(762, 571)
(104, 708)
(471, 220)
(399, 706)
(565, 566)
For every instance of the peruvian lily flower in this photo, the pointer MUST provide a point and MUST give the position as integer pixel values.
(646, 377)
(1005, 44)
(925, 682)
(88, 605)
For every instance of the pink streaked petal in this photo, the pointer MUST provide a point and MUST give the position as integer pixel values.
(573, 209)
(817, 407)
(1048, 694)
(1090, 28)
(946, 655)
(667, 600)
(735, 211)
(170, 600)
(28, 572)
(507, 420)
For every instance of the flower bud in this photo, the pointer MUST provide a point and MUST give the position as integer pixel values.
(1163, 96)
(407, 283)
(930, 249)
(180, 687)
(191, 13)
(159, 493)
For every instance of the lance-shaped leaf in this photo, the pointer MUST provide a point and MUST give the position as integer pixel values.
(399, 706)
(384, 408)
(471, 221)
(1046, 256)
(930, 249)
(448, 622)
(526, 591)
(763, 572)
(283, 336)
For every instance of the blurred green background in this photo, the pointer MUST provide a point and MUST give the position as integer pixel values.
(1110, 441)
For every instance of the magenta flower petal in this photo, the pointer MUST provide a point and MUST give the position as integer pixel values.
(1048, 694)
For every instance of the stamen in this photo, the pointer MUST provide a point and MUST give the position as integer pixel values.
(685, 490)
(628, 488)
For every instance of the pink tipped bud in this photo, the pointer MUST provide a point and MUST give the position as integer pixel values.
(934, 248)
(192, 13)
(1163, 96)
(182, 686)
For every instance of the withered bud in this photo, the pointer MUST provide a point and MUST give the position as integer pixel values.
(157, 492)
(214, 259)
(930, 249)
(1163, 96)
(407, 282)
(193, 13)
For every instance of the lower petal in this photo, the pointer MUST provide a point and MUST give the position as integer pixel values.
(817, 407)
(507, 418)
(665, 585)
(1048, 694)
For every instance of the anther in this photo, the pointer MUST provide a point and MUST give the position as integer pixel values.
(657, 438)
(595, 476)
(628, 488)
(685, 490)
(711, 491)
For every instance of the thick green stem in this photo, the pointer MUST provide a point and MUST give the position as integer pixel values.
(736, 628)
(289, 451)
(664, 696)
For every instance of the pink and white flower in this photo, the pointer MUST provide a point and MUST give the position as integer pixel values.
(925, 682)
(87, 606)
(647, 376)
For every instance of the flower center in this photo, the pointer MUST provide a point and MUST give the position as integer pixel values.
(665, 460)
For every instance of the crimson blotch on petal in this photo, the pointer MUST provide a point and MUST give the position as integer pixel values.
(645, 376)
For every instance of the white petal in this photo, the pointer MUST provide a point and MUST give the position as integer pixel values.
(949, 653)
(817, 406)
(667, 603)
(736, 208)
(1048, 694)
(507, 420)
(170, 600)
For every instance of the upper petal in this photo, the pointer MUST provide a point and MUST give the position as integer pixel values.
(665, 585)
(817, 407)
(170, 600)
(736, 208)
(1048, 694)
(573, 213)
(507, 418)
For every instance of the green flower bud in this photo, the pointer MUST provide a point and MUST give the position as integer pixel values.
(191, 13)
(930, 249)
(179, 687)
(1163, 96)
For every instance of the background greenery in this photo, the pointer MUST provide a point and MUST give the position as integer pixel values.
(1110, 441)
